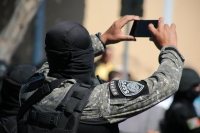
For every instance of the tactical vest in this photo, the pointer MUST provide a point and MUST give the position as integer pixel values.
(65, 118)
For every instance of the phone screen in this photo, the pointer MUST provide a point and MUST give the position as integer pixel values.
(140, 28)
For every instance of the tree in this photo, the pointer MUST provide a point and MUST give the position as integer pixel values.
(12, 35)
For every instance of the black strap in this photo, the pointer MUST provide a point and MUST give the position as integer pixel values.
(62, 106)
(99, 79)
(73, 105)
(46, 89)
(68, 112)
(95, 121)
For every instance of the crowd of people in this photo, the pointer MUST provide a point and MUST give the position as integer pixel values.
(72, 93)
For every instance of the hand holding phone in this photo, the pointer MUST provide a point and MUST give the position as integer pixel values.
(140, 28)
(114, 34)
(164, 35)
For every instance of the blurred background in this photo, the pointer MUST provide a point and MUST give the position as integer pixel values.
(23, 24)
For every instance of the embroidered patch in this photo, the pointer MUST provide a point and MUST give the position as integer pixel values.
(113, 88)
(193, 123)
(130, 88)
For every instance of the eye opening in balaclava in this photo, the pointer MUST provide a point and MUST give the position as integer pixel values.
(69, 51)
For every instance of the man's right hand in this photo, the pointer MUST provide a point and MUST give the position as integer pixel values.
(164, 35)
(114, 33)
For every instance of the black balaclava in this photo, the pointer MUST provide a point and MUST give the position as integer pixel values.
(189, 80)
(69, 52)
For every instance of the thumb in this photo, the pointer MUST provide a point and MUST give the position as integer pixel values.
(127, 38)
(152, 29)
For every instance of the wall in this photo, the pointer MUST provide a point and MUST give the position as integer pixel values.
(143, 55)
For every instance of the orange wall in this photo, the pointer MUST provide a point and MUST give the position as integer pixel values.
(143, 55)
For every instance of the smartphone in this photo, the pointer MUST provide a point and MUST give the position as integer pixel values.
(140, 28)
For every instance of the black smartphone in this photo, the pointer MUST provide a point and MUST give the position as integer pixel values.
(140, 28)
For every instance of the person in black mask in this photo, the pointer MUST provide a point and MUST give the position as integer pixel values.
(70, 52)
(181, 117)
(9, 107)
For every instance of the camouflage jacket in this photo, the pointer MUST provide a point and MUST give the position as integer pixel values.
(119, 100)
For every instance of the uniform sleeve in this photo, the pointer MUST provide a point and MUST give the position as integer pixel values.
(44, 69)
(120, 99)
(98, 47)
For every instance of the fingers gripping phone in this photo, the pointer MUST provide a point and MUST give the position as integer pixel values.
(140, 28)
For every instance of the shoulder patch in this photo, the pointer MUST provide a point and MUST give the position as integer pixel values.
(193, 123)
(130, 88)
(124, 88)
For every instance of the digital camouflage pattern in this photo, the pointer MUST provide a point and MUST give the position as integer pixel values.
(162, 84)
(97, 45)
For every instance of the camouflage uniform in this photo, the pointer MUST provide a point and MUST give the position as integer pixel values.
(119, 99)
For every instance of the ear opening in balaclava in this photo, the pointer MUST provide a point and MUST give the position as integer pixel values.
(69, 51)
